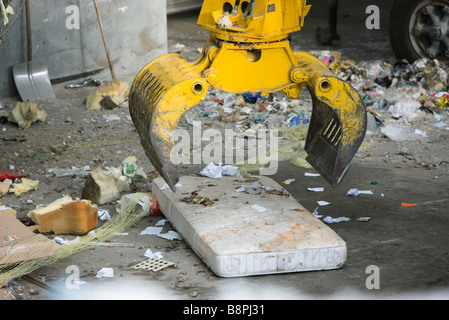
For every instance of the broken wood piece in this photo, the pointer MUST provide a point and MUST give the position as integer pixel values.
(66, 216)
(40, 282)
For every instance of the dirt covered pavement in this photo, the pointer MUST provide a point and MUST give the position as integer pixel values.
(403, 160)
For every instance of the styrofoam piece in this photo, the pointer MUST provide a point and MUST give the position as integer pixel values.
(235, 239)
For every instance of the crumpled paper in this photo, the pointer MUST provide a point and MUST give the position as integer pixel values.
(214, 171)
(152, 255)
(105, 273)
(330, 220)
(5, 12)
(355, 192)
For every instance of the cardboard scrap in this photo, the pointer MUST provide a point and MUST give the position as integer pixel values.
(14, 247)
(4, 209)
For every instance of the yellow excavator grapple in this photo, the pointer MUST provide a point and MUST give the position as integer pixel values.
(249, 51)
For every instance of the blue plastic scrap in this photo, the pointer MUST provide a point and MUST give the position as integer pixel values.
(251, 97)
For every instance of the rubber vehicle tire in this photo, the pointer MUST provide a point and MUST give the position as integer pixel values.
(402, 37)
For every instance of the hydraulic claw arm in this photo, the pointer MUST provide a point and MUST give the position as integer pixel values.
(248, 51)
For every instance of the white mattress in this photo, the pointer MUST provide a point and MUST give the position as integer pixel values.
(236, 239)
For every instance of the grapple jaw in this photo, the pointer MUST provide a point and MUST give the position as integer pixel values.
(336, 130)
(253, 55)
(160, 95)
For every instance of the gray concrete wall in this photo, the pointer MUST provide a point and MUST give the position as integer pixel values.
(175, 6)
(136, 32)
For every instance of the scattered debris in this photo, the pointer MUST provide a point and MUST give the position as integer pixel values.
(151, 231)
(66, 216)
(316, 214)
(147, 203)
(111, 117)
(161, 222)
(103, 214)
(152, 255)
(279, 192)
(153, 264)
(363, 219)
(406, 204)
(11, 174)
(355, 192)
(330, 220)
(14, 247)
(85, 83)
(110, 95)
(318, 189)
(394, 114)
(400, 133)
(25, 185)
(64, 242)
(5, 11)
(194, 198)
(41, 153)
(4, 186)
(170, 235)
(194, 294)
(301, 162)
(214, 171)
(250, 189)
(24, 255)
(105, 185)
(74, 171)
(288, 181)
(26, 113)
(308, 174)
(105, 273)
(130, 169)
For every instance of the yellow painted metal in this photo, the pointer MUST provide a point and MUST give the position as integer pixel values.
(268, 20)
(248, 51)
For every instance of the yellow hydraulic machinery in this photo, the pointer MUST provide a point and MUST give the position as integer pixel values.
(249, 51)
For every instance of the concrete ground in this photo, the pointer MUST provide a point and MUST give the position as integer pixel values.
(407, 245)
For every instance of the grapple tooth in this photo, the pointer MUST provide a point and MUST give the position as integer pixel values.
(160, 95)
(338, 123)
(336, 130)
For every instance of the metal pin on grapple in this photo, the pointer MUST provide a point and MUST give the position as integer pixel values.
(249, 53)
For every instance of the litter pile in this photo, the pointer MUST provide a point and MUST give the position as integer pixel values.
(399, 93)
(18, 251)
(26, 248)
(401, 99)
